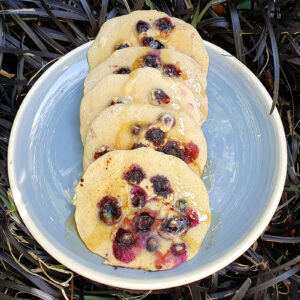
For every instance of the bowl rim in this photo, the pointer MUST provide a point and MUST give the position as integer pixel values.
(180, 279)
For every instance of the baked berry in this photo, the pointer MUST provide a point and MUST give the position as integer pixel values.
(161, 185)
(172, 148)
(142, 26)
(160, 96)
(193, 217)
(151, 61)
(191, 152)
(177, 225)
(181, 205)
(139, 196)
(122, 46)
(172, 70)
(152, 244)
(134, 175)
(137, 145)
(121, 251)
(125, 237)
(178, 249)
(164, 24)
(146, 40)
(168, 120)
(136, 129)
(120, 100)
(103, 150)
(109, 210)
(116, 100)
(143, 222)
(155, 136)
(155, 44)
(122, 71)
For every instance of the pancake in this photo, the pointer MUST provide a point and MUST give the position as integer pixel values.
(125, 127)
(142, 209)
(146, 85)
(172, 64)
(147, 28)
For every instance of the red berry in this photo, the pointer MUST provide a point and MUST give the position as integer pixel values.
(160, 96)
(172, 70)
(191, 152)
(178, 249)
(139, 196)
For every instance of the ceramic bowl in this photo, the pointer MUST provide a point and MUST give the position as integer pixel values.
(245, 171)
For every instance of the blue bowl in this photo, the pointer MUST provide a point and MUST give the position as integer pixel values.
(245, 172)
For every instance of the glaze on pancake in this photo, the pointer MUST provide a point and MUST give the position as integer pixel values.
(125, 127)
(142, 209)
(151, 29)
(171, 64)
(146, 85)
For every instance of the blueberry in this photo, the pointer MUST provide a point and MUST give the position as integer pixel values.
(144, 222)
(161, 185)
(151, 61)
(109, 210)
(155, 44)
(181, 205)
(136, 129)
(136, 146)
(152, 244)
(155, 136)
(172, 148)
(122, 46)
(134, 175)
(160, 96)
(146, 40)
(122, 71)
(139, 196)
(177, 225)
(142, 26)
(164, 24)
(125, 237)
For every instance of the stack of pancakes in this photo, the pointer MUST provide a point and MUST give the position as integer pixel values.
(141, 202)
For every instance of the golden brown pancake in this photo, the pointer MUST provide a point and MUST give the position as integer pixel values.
(142, 209)
(151, 29)
(145, 85)
(125, 127)
(172, 64)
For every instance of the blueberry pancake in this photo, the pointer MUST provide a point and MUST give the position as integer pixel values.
(152, 29)
(171, 64)
(142, 209)
(125, 127)
(146, 85)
